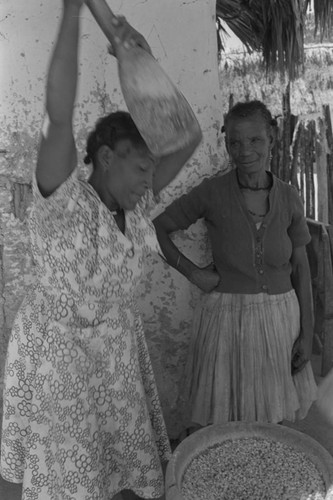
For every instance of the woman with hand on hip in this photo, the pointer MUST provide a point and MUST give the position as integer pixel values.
(82, 418)
(250, 351)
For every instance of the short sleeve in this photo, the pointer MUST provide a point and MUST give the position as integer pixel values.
(298, 230)
(190, 207)
(54, 210)
(60, 198)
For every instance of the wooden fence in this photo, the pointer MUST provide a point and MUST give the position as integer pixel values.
(303, 156)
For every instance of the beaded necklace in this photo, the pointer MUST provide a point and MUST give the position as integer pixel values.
(256, 189)
(256, 215)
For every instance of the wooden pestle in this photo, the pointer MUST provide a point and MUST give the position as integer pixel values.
(160, 111)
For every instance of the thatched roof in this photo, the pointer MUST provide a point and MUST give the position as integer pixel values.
(275, 27)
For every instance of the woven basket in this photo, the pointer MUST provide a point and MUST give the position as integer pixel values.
(205, 438)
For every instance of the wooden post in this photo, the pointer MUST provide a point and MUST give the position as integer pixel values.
(277, 160)
(295, 148)
(302, 164)
(321, 169)
(309, 177)
(276, 152)
(327, 359)
(314, 253)
(286, 134)
(329, 137)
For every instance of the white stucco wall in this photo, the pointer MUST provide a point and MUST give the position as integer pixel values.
(182, 36)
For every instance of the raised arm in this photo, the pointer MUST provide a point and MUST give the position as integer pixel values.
(169, 166)
(57, 153)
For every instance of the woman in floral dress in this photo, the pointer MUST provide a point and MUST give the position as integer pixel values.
(82, 418)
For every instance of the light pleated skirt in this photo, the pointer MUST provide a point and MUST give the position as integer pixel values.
(239, 365)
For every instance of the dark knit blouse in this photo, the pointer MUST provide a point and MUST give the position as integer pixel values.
(248, 260)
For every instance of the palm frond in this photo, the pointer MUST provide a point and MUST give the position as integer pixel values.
(243, 22)
(273, 27)
(282, 42)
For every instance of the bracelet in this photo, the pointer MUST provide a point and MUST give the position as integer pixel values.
(178, 260)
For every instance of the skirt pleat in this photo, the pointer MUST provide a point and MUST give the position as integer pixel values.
(239, 364)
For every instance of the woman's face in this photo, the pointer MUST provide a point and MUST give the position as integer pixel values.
(249, 143)
(130, 174)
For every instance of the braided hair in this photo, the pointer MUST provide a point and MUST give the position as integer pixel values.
(249, 108)
(108, 131)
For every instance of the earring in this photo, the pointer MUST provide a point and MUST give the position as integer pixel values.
(229, 163)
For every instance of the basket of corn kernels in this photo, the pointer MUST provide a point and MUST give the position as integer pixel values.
(249, 461)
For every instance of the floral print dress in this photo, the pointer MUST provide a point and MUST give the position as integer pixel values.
(82, 418)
